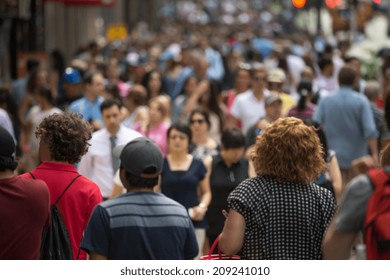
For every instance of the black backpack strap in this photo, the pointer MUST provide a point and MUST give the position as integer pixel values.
(74, 179)
(32, 175)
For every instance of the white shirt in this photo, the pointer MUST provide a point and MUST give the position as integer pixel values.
(96, 164)
(6, 122)
(247, 108)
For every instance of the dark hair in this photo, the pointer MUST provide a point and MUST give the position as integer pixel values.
(89, 75)
(147, 77)
(351, 58)
(202, 112)
(213, 105)
(387, 111)
(32, 82)
(45, 92)
(108, 103)
(347, 76)
(325, 61)
(7, 163)
(135, 181)
(321, 135)
(58, 60)
(232, 139)
(182, 91)
(114, 91)
(67, 136)
(304, 89)
(32, 64)
(183, 129)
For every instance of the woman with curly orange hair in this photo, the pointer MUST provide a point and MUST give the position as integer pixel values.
(281, 213)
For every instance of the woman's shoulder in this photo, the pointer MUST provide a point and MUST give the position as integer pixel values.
(251, 184)
(325, 195)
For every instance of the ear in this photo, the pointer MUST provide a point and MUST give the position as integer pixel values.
(122, 176)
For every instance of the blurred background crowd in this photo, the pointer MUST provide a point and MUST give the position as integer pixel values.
(213, 65)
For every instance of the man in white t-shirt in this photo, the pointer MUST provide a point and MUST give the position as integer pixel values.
(248, 107)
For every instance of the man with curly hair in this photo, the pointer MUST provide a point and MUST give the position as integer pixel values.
(281, 213)
(24, 211)
(63, 141)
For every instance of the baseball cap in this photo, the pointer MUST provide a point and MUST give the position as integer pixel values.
(276, 76)
(7, 143)
(138, 155)
(271, 99)
(72, 75)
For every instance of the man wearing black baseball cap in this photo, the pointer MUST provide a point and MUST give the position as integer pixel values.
(140, 224)
(24, 211)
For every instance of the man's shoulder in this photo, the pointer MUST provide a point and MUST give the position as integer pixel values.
(129, 134)
(77, 103)
(99, 134)
(145, 198)
(32, 185)
(87, 183)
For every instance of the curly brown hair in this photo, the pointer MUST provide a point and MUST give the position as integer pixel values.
(67, 136)
(289, 151)
(385, 156)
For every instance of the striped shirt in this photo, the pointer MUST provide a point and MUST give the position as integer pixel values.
(141, 225)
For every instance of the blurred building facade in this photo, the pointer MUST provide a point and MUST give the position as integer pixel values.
(31, 26)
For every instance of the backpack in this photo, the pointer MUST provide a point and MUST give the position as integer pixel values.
(55, 243)
(377, 220)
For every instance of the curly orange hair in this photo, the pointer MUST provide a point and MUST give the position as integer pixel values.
(289, 151)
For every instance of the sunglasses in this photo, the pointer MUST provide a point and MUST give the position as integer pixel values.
(244, 66)
(199, 121)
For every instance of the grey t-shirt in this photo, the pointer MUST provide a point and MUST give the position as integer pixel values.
(353, 207)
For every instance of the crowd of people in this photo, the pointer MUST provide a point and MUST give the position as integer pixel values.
(170, 129)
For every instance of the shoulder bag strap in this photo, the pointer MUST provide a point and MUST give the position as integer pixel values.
(74, 179)
(32, 175)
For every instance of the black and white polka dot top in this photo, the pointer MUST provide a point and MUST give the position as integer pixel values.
(284, 221)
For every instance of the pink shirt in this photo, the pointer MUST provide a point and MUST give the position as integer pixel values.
(157, 134)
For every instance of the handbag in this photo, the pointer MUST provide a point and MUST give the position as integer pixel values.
(219, 256)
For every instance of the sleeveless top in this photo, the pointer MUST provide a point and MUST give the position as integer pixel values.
(223, 180)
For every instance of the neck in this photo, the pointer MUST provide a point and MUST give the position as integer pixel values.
(7, 174)
(227, 163)
(46, 106)
(153, 124)
(139, 189)
(178, 156)
(91, 97)
(113, 131)
(241, 89)
(200, 139)
(258, 93)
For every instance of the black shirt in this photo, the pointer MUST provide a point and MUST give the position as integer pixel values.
(223, 180)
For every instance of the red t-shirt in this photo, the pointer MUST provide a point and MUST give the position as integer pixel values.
(78, 202)
(24, 213)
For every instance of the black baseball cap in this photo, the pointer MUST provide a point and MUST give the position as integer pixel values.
(141, 154)
(7, 143)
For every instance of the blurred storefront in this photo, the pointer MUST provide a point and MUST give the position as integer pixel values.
(36, 26)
